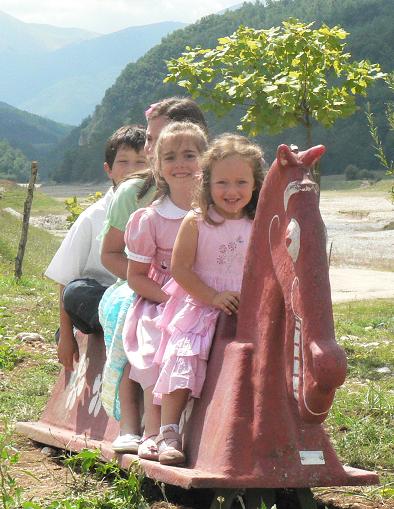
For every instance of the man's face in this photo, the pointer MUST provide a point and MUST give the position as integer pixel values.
(127, 161)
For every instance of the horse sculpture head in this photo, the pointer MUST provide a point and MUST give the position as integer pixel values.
(289, 280)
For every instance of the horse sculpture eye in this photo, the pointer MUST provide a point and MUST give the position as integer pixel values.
(293, 233)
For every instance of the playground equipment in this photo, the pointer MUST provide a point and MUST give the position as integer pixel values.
(272, 372)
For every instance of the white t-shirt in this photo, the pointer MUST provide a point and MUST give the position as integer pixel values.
(79, 254)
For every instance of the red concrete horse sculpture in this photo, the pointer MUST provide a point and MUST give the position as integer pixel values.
(271, 377)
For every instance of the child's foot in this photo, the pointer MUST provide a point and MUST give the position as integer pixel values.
(170, 448)
(147, 449)
(126, 443)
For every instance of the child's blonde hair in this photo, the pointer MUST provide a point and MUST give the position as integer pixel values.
(224, 146)
(176, 131)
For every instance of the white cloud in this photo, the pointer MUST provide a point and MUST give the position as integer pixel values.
(110, 15)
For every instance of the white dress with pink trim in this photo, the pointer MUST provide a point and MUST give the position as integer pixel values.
(189, 325)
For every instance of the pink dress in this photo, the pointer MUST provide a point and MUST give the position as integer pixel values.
(189, 325)
(150, 235)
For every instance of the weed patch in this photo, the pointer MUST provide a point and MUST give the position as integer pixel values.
(10, 355)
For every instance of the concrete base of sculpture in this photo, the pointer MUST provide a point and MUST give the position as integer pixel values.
(74, 419)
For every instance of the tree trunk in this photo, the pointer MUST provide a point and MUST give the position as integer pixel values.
(25, 221)
(316, 168)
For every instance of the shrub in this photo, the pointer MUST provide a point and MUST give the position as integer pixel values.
(366, 174)
(351, 172)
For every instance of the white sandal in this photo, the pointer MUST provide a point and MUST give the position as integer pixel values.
(126, 443)
(170, 448)
(147, 449)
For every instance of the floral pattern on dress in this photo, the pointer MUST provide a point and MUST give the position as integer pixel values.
(228, 253)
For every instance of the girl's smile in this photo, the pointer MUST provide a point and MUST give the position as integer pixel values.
(179, 161)
(232, 185)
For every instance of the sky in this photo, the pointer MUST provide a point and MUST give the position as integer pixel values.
(105, 16)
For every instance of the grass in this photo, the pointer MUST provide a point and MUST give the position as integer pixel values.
(14, 196)
(28, 305)
(338, 183)
(361, 421)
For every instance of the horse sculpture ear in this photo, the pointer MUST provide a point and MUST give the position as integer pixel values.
(312, 155)
(285, 157)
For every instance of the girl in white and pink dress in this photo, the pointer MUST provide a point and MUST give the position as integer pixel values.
(149, 239)
(207, 267)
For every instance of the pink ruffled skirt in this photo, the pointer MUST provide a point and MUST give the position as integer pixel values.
(187, 328)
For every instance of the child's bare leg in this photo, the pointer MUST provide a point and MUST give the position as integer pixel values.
(169, 440)
(173, 405)
(151, 413)
(130, 421)
(148, 447)
(129, 398)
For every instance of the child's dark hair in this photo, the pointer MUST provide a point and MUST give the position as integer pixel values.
(222, 147)
(176, 131)
(130, 136)
(177, 109)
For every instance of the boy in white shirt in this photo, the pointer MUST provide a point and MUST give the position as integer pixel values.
(76, 266)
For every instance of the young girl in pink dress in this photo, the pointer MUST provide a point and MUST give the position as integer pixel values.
(149, 239)
(207, 268)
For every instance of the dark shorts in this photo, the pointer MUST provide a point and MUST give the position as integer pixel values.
(81, 299)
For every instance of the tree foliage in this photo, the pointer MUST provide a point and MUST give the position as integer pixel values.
(380, 153)
(13, 164)
(284, 76)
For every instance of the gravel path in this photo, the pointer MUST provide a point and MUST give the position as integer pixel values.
(362, 257)
(355, 226)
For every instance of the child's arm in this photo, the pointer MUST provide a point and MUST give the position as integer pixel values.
(182, 262)
(67, 349)
(112, 252)
(138, 280)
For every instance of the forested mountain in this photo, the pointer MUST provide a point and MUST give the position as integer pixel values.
(140, 84)
(66, 84)
(34, 136)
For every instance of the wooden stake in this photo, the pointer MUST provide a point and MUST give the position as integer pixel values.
(25, 222)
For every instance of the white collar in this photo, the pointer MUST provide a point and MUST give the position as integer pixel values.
(167, 209)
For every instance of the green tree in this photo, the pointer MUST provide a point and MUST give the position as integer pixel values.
(380, 153)
(285, 76)
(13, 164)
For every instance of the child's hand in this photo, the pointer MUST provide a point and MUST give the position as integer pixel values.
(227, 302)
(67, 351)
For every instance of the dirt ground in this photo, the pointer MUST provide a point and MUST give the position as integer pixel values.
(362, 266)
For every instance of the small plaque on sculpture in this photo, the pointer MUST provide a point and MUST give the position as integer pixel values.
(312, 458)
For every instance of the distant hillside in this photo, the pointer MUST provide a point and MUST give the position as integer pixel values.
(34, 136)
(140, 84)
(19, 38)
(66, 85)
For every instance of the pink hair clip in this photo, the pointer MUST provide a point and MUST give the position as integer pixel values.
(150, 110)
